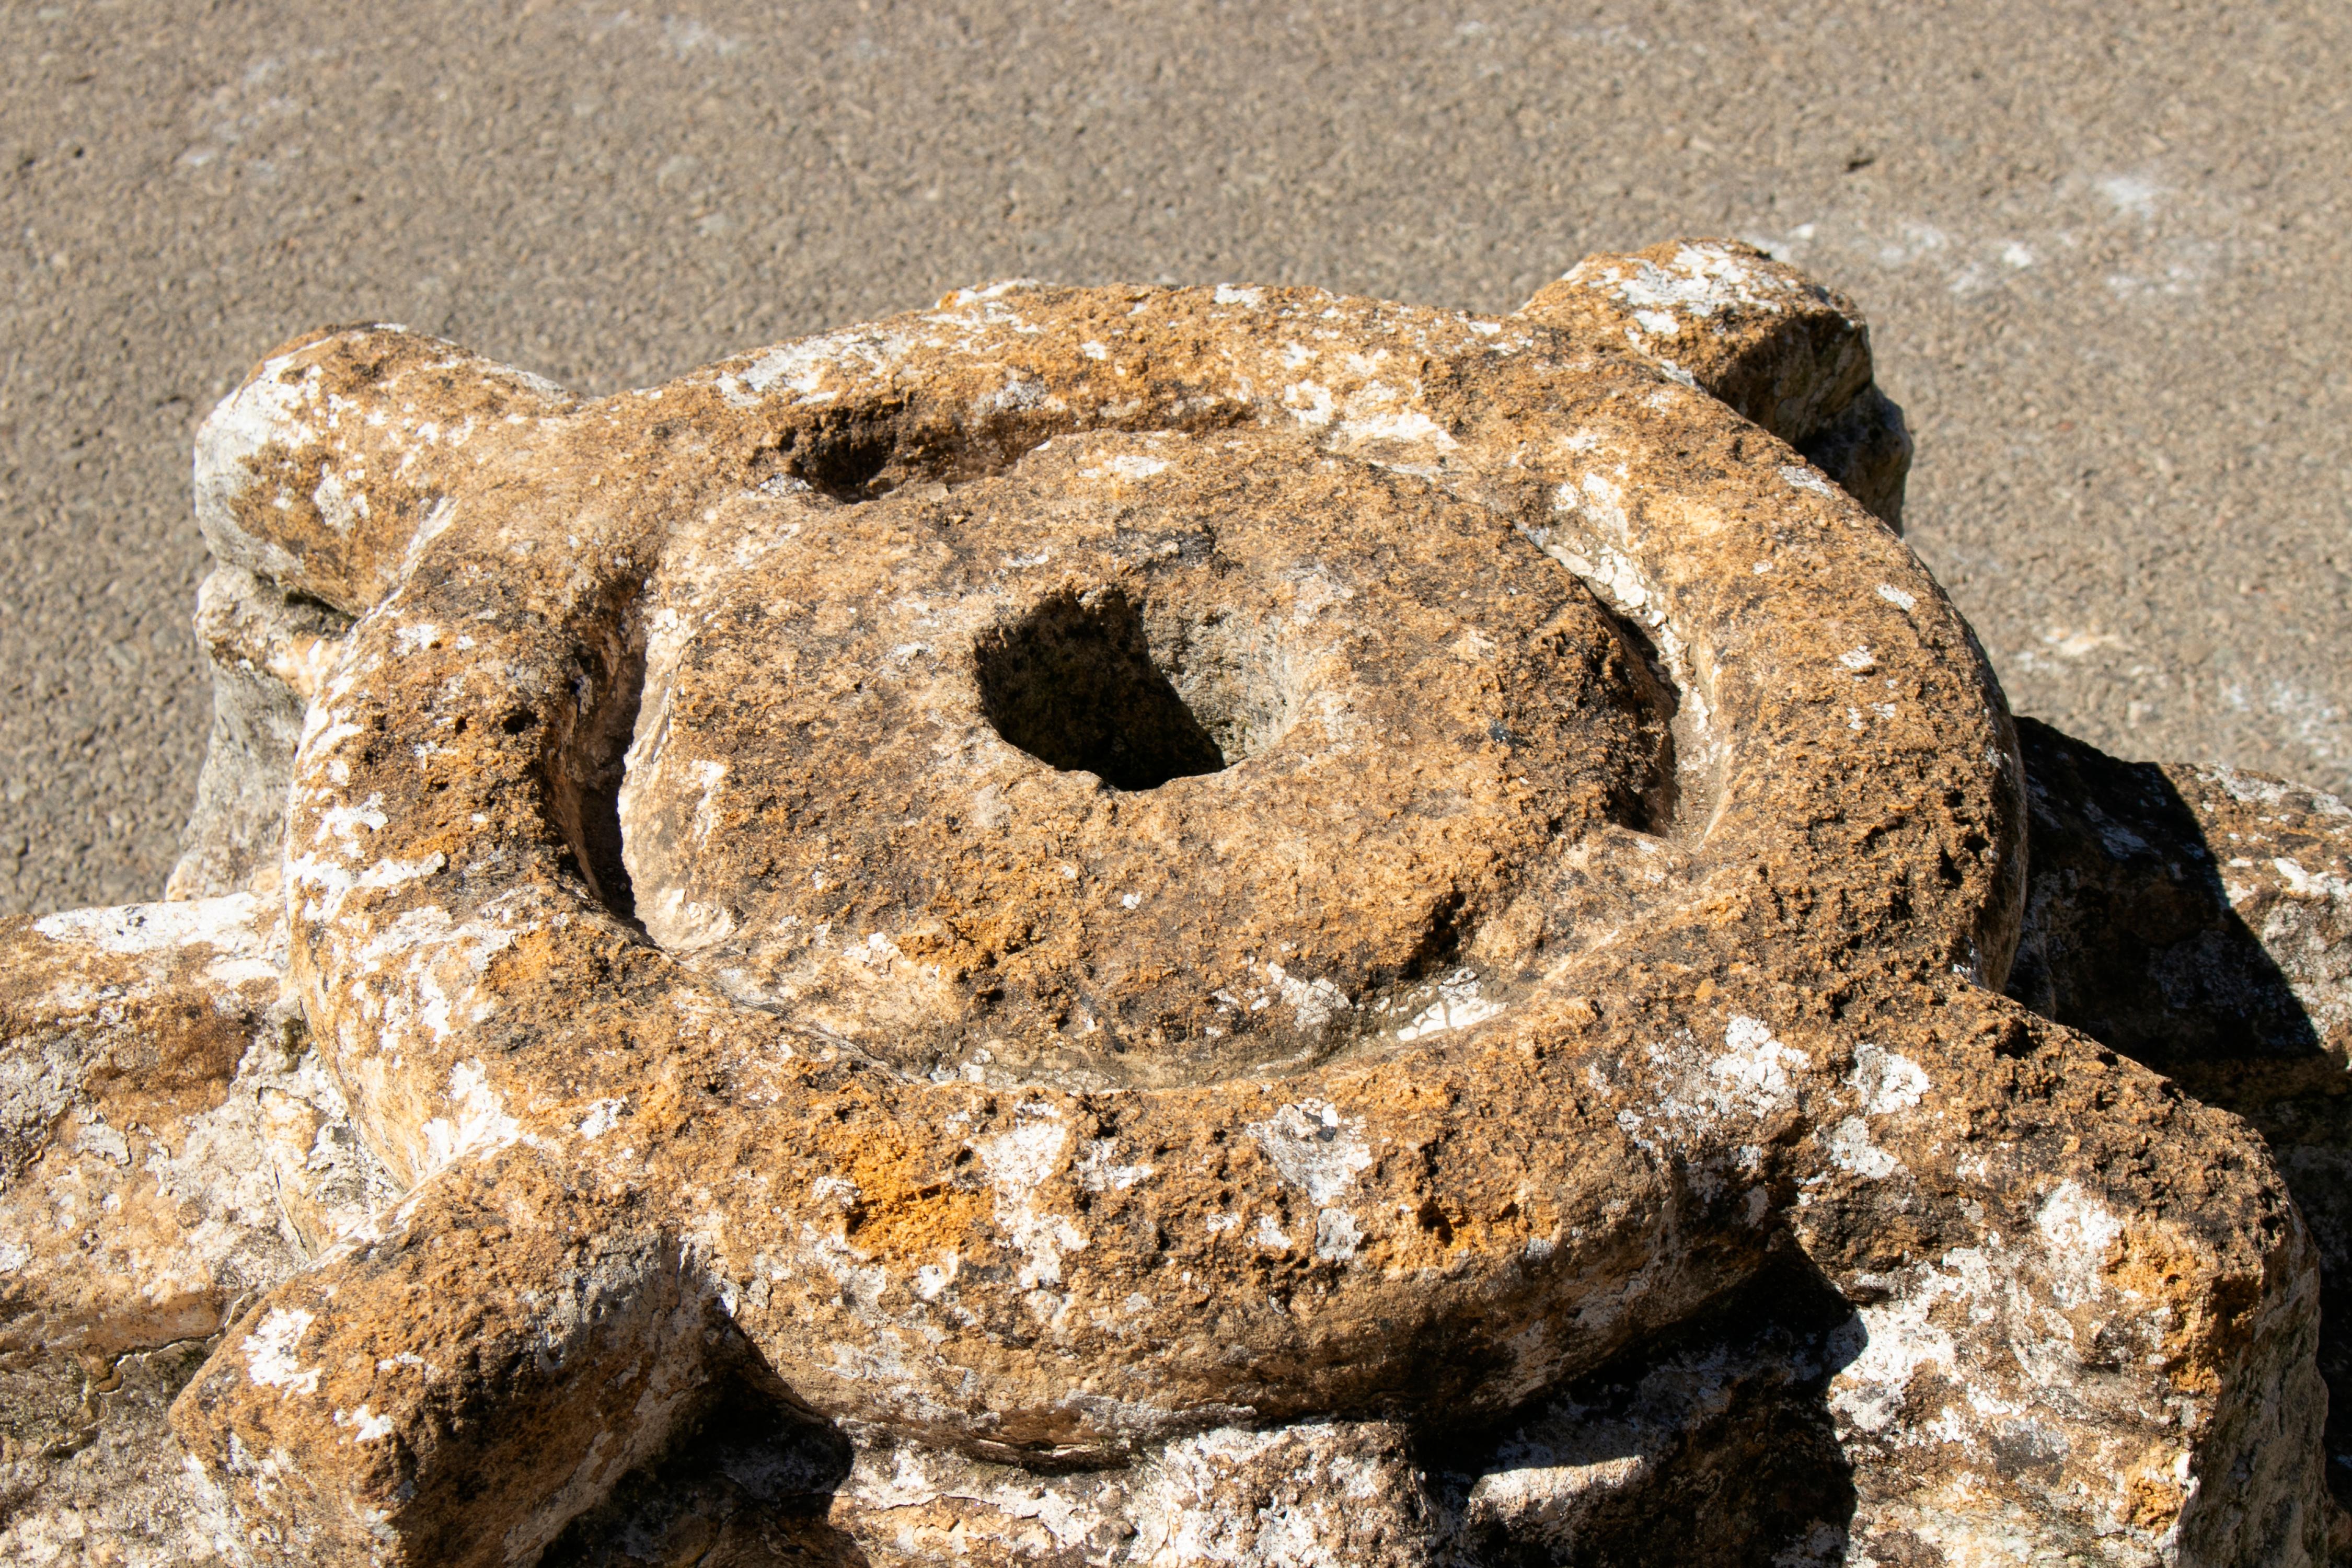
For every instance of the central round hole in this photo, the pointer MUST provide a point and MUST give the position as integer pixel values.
(1073, 683)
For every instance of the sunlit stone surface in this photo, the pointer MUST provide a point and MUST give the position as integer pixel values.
(1155, 926)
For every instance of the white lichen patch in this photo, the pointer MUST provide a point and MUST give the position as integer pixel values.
(1303, 1496)
(1460, 1004)
(1017, 1163)
(1336, 1235)
(1099, 1171)
(476, 1122)
(1751, 1076)
(2304, 884)
(1312, 1002)
(1314, 1148)
(1129, 466)
(425, 969)
(1800, 478)
(1701, 281)
(270, 1352)
(604, 1115)
(1887, 1081)
(1404, 425)
(1899, 1339)
(1851, 1149)
(801, 369)
(2000, 1348)
(2078, 1232)
(365, 1425)
(226, 924)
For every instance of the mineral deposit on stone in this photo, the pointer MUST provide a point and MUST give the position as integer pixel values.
(1162, 926)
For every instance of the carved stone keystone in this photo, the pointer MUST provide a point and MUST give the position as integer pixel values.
(1125, 925)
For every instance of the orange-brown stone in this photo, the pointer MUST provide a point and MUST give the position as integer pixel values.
(1068, 925)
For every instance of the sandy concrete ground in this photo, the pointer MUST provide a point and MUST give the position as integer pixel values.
(2102, 243)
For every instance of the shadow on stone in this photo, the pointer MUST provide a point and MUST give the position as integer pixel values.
(2134, 934)
(1714, 1446)
(587, 751)
(1073, 684)
(1711, 1447)
(747, 1487)
(2130, 936)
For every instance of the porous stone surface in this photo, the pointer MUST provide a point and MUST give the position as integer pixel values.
(1153, 615)
(1784, 350)
(1120, 925)
(170, 1149)
(2200, 919)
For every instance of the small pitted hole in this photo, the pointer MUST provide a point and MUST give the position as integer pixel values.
(1073, 683)
(845, 459)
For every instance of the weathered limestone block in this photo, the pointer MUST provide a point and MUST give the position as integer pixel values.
(2200, 919)
(171, 1150)
(1125, 925)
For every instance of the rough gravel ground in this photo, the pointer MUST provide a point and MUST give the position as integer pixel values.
(2103, 245)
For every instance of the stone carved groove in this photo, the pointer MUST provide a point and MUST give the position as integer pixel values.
(1549, 874)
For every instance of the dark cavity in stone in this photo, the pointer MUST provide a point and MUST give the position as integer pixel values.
(1073, 684)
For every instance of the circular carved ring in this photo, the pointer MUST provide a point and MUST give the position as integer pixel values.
(1305, 724)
